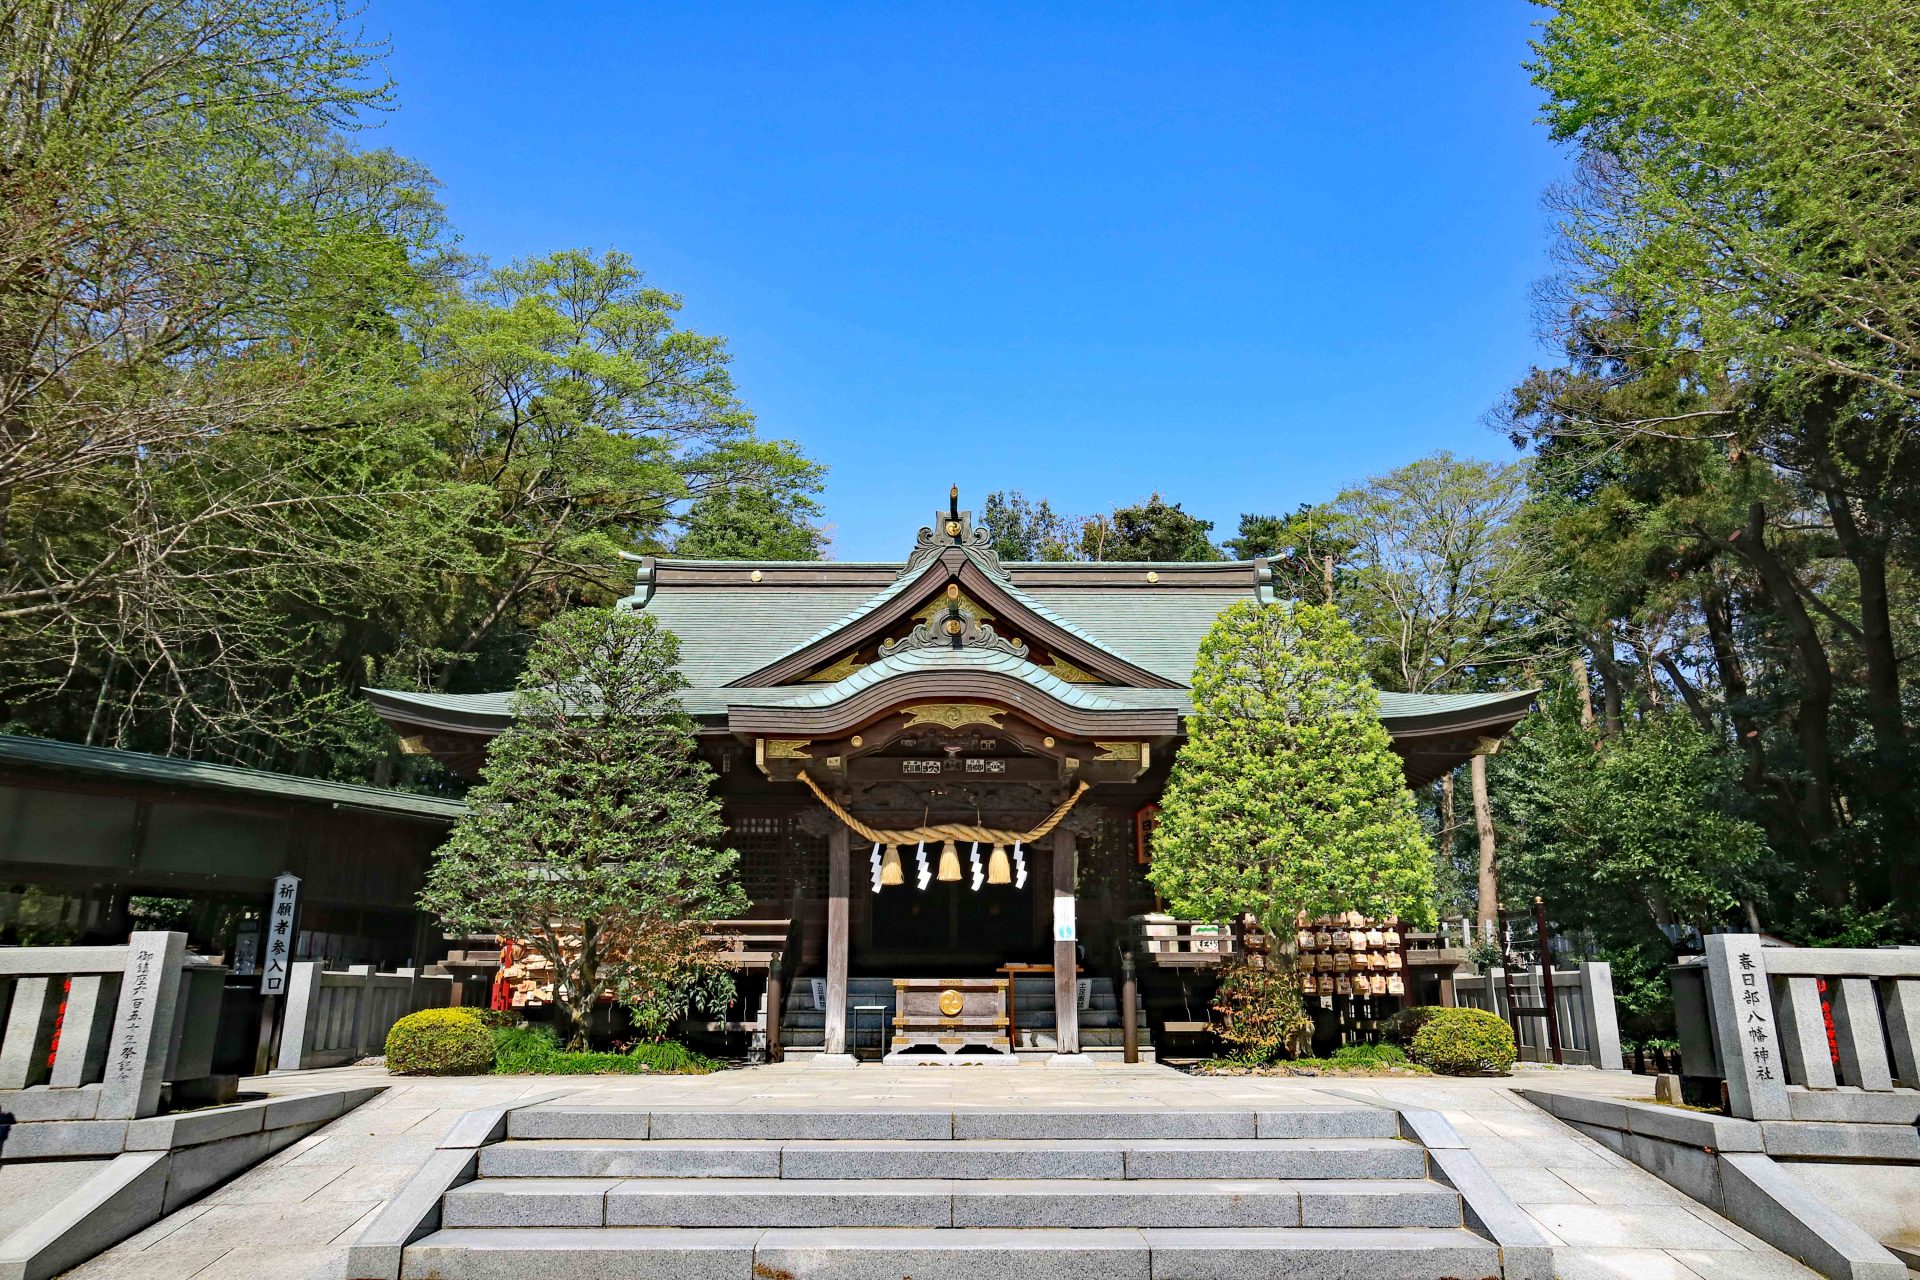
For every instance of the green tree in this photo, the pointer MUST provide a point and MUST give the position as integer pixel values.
(1287, 796)
(1307, 548)
(1029, 530)
(1152, 530)
(775, 518)
(594, 418)
(1751, 177)
(1634, 838)
(593, 836)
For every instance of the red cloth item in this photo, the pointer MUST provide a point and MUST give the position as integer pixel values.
(502, 997)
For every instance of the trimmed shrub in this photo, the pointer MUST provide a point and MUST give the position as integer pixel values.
(1465, 1042)
(439, 1042)
(1404, 1025)
(494, 1019)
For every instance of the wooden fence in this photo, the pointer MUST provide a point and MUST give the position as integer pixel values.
(339, 1017)
(1583, 1006)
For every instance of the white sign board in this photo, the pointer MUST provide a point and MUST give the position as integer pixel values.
(276, 951)
(1063, 918)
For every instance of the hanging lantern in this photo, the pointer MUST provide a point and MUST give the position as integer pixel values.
(949, 864)
(890, 867)
(999, 871)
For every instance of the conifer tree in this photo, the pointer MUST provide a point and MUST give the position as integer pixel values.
(594, 838)
(1287, 796)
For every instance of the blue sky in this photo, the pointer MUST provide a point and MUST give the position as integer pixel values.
(1242, 255)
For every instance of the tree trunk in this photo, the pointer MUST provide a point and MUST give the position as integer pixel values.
(1483, 823)
(1583, 690)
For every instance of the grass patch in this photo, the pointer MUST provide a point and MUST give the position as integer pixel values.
(1349, 1060)
(536, 1051)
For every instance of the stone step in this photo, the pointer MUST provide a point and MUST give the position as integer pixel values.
(909, 1202)
(1291, 1158)
(615, 1121)
(644, 1253)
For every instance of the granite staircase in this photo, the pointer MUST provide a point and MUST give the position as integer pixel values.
(802, 1027)
(586, 1192)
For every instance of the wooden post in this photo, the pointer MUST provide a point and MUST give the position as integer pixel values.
(775, 996)
(1546, 979)
(838, 855)
(1129, 1011)
(1066, 969)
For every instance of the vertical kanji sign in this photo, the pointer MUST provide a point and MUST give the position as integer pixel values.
(276, 951)
(1740, 1002)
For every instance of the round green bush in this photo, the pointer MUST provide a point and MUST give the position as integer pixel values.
(440, 1042)
(1464, 1042)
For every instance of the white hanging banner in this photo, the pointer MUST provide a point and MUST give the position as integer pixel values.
(277, 953)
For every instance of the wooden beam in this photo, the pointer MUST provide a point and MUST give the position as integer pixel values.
(838, 857)
(1066, 987)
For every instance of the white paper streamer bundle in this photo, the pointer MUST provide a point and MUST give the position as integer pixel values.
(1019, 866)
(979, 875)
(876, 868)
(926, 874)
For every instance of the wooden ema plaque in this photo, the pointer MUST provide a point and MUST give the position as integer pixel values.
(950, 1014)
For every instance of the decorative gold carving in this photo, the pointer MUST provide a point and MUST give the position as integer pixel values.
(954, 714)
(837, 672)
(952, 1002)
(415, 745)
(1071, 674)
(1127, 751)
(789, 749)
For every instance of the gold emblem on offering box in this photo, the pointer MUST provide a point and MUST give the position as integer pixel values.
(951, 1002)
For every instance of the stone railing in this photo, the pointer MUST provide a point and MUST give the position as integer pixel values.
(338, 1017)
(119, 1021)
(1804, 1032)
(1583, 1010)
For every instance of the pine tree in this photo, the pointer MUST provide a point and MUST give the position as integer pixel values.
(1287, 796)
(594, 837)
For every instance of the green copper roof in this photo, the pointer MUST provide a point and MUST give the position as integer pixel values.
(138, 766)
(1086, 697)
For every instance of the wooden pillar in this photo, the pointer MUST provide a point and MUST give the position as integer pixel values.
(776, 995)
(1066, 1001)
(838, 856)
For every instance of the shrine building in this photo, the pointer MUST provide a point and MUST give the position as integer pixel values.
(948, 768)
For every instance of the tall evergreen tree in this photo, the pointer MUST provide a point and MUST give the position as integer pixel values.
(1287, 796)
(593, 836)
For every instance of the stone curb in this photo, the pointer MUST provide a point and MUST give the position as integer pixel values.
(157, 1165)
(1728, 1165)
(414, 1212)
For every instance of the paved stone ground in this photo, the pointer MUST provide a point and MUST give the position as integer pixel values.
(292, 1217)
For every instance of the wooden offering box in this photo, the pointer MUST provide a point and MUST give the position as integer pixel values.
(950, 1014)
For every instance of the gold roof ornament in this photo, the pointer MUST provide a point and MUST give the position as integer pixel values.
(953, 715)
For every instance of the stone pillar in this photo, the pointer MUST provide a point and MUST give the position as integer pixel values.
(1603, 1020)
(1740, 1002)
(142, 1024)
(835, 1050)
(1066, 932)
